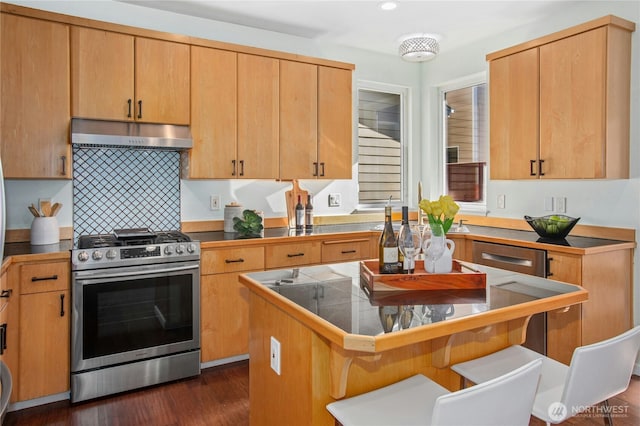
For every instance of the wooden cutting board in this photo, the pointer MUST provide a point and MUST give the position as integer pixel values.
(292, 200)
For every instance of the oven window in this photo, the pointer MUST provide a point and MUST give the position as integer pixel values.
(141, 313)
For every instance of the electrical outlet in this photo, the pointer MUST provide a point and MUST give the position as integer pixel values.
(214, 202)
(561, 204)
(335, 200)
(548, 204)
(275, 355)
(501, 201)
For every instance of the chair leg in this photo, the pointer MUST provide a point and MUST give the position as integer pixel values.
(607, 411)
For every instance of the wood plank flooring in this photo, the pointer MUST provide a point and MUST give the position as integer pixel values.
(220, 396)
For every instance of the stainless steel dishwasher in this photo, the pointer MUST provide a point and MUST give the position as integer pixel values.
(526, 261)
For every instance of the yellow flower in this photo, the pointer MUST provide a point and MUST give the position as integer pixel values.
(441, 211)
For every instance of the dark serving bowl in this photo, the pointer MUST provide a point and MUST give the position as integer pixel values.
(555, 226)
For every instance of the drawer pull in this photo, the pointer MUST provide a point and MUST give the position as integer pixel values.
(6, 293)
(62, 305)
(51, 278)
(348, 251)
(3, 338)
(295, 254)
(240, 260)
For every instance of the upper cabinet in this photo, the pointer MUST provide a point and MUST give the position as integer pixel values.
(121, 77)
(34, 98)
(560, 105)
(315, 121)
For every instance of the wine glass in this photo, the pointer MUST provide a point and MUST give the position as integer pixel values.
(409, 242)
(434, 247)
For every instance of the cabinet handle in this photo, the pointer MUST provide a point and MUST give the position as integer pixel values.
(6, 293)
(140, 109)
(531, 163)
(241, 167)
(315, 168)
(3, 338)
(233, 163)
(540, 167)
(295, 254)
(549, 273)
(239, 260)
(129, 110)
(347, 251)
(322, 168)
(62, 305)
(52, 277)
(64, 164)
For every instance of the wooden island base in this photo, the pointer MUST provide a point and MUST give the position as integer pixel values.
(315, 371)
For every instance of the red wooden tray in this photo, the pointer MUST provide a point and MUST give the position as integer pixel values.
(458, 278)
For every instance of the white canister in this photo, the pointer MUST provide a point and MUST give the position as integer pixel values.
(230, 211)
(45, 230)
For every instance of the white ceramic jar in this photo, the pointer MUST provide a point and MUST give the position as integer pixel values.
(45, 230)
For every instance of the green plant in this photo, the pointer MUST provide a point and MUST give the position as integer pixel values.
(250, 225)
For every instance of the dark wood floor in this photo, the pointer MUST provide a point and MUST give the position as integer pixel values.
(220, 396)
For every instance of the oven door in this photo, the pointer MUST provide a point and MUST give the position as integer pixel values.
(129, 314)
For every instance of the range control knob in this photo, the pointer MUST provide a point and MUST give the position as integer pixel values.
(111, 254)
(83, 256)
(180, 249)
(191, 248)
(97, 255)
(168, 250)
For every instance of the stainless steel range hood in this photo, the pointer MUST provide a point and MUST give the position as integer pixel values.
(101, 133)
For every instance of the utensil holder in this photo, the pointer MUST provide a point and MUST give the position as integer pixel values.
(45, 230)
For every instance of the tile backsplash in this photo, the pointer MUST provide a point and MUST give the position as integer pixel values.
(116, 188)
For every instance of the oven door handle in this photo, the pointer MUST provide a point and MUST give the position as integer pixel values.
(102, 274)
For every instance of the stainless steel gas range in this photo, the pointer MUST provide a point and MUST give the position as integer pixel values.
(136, 311)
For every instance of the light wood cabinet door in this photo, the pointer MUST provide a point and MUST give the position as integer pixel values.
(258, 122)
(335, 123)
(34, 98)
(44, 344)
(224, 317)
(102, 74)
(9, 321)
(224, 260)
(573, 106)
(213, 114)
(564, 267)
(513, 102)
(162, 81)
(298, 120)
(293, 254)
(345, 250)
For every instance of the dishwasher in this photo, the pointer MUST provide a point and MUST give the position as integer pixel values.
(523, 260)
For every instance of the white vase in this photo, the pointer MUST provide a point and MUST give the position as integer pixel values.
(45, 230)
(444, 264)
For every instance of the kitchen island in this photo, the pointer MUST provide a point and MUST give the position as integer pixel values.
(337, 340)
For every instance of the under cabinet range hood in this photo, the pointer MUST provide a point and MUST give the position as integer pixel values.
(102, 133)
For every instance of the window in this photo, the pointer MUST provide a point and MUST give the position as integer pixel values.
(381, 145)
(465, 138)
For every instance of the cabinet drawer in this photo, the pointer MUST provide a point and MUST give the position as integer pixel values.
(42, 277)
(345, 250)
(218, 261)
(296, 254)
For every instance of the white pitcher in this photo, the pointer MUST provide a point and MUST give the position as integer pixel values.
(444, 264)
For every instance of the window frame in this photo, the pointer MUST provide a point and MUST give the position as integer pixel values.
(405, 138)
(460, 83)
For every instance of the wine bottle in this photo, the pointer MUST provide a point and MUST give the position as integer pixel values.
(388, 246)
(308, 215)
(299, 216)
(405, 244)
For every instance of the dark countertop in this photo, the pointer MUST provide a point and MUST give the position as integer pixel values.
(482, 232)
(338, 294)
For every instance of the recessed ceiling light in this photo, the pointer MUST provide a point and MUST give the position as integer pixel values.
(387, 5)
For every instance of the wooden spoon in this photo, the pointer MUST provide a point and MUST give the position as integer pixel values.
(45, 208)
(33, 210)
(55, 209)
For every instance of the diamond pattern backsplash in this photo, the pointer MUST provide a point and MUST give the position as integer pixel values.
(125, 188)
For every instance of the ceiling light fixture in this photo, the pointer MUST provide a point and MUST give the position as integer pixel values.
(419, 48)
(387, 5)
